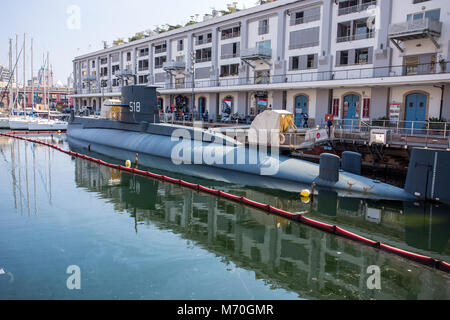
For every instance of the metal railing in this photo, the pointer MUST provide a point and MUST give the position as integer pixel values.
(354, 37)
(257, 51)
(200, 60)
(305, 19)
(415, 26)
(347, 74)
(203, 41)
(357, 8)
(230, 56)
(419, 133)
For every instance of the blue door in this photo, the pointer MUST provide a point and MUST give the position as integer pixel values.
(301, 106)
(416, 109)
(351, 103)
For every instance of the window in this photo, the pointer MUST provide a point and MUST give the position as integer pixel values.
(159, 61)
(143, 52)
(115, 69)
(229, 70)
(305, 16)
(143, 79)
(103, 72)
(203, 55)
(93, 64)
(264, 44)
(204, 38)
(362, 56)
(128, 56)
(104, 83)
(432, 14)
(160, 48)
(115, 82)
(143, 65)
(263, 27)
(295, 63)
(104, 61)
(180, 45)
(311, 61)
(231, 33)
(344, 58)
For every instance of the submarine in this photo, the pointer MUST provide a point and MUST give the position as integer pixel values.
(133, 128)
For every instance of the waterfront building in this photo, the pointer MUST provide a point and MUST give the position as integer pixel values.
(354, 59)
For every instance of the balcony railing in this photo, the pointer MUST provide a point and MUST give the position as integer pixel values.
(357, 8)
(255, 52)
(160, 50)
(174, 65)
(416, 27)
(230, 56)
(200, 60)
(305, 19)
(203, 41)
(348, 74)
(354, 37)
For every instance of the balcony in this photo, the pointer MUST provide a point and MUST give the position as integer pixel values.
(354, 37)
(203, 41)
(358, 8)
(174, 65)
(416, 29)
(89, 78)
(257, 53)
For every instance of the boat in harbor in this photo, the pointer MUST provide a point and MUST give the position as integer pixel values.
(47, 125)
(133, 130)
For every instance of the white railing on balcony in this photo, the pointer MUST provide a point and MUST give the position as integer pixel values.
(359, 36)
(174, 65)
(357, 8)
(416, 26)
(257, 51)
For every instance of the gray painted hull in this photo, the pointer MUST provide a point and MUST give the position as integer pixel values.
(293, 174)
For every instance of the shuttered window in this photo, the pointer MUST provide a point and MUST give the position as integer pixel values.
(336, 107)
(304, 38)
(366, 108)
(202, 73)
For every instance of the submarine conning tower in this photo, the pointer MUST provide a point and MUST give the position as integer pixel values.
(139, 104)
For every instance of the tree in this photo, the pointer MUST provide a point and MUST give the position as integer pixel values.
(118, 42)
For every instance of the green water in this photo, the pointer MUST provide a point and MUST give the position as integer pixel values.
(137, 238)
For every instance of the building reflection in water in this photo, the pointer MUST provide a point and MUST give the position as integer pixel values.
(282, 253)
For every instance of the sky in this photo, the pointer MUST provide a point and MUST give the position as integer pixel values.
(53, 28)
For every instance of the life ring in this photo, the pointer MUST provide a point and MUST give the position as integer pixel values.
(318, 135)
(282, 139)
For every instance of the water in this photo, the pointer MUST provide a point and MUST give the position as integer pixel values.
(137, 238)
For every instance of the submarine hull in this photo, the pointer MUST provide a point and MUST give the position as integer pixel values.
(268, 171)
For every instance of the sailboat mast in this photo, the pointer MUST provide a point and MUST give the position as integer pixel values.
(32, 78)
(11, 92)
(46, 79)
(17, 71)
(24, 73)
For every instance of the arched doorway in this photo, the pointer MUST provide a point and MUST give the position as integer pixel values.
(416, 110)
(351, 108)
(201, 106)
(301, 107)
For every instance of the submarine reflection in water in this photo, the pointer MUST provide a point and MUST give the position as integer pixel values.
(426, 226)
(285, 254)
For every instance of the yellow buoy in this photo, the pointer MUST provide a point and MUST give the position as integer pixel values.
(59, 132)
(305, 194)
(128, 164)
